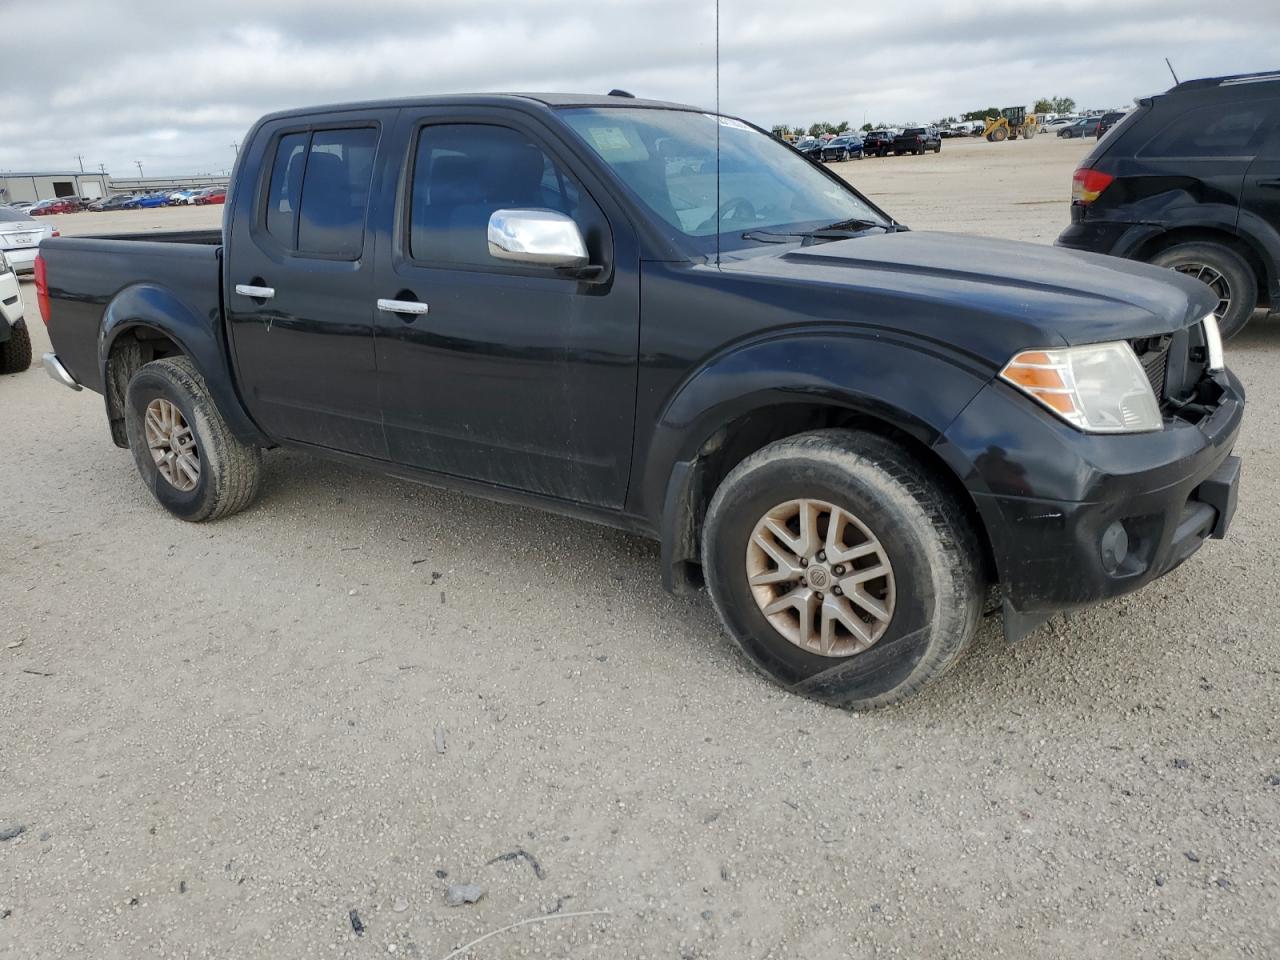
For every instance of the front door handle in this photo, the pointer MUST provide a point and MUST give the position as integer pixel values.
(414, 307)
(1273, 184)
(257, 293)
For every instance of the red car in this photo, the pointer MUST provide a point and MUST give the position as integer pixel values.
(211, 195)
(57, 205)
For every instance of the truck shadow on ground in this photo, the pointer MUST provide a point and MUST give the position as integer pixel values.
(569, 560)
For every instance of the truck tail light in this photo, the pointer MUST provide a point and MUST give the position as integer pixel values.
(42, 289)
(1087, 185)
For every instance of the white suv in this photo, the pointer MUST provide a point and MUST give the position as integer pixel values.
(15, 342)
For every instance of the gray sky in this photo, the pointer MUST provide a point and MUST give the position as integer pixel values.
(174, 83)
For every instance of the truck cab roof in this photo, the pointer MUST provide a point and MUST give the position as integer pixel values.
(522, 101)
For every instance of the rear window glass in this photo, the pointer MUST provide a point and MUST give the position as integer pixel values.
(335, 192)
(285, 187)
(1218, 130)
(8, 214)
(318, 191)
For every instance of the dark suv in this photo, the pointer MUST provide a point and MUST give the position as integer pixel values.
(1190, 180)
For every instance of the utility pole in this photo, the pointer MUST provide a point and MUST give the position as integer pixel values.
(138, 164)
(236, 147)
(81, 159)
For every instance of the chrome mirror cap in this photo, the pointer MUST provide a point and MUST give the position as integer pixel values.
(542, 237)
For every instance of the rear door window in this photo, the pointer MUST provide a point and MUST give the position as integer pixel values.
(317, 193)
(1218, 130)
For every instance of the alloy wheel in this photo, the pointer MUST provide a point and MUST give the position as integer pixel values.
(172, 444)
(1214, 280)
(821, 577)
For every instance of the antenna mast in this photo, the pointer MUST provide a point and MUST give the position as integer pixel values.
(717, 133)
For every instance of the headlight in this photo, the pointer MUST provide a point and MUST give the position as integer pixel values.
(1098, 388)
(1213, 343)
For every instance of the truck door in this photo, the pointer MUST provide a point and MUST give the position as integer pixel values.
(501, 372)
(299, 278)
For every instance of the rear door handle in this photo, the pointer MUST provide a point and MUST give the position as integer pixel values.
(257, 293)
(1273, 184)
(414, 307)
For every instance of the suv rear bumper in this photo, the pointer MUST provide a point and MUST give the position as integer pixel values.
(1116, 238)
(1161, 495)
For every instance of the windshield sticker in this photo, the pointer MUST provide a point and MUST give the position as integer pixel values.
(729, 122)
(609, 140)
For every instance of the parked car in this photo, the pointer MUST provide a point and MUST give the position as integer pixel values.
(1057, 123)
(865, 432)
(917, 140)
(118, 202)
(210, 195)
(152, 200)
(15, 339)
(22, 204)
(1107, 121)
(131, 202)
(1084, 127)
(877, 143)
(811, 147)
(55, 205)
(844, 147)
(185, 198)
(1190, 180)
(20, 236)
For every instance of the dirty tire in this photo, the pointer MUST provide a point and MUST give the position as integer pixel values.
(15, 353)
(1233, 268)
(229, 469)
(933, 551)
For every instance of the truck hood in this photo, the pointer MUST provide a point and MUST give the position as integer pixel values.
(1041, 295)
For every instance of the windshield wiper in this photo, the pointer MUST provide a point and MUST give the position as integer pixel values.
(840, 230)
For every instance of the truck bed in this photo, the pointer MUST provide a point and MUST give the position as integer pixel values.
(98, 282)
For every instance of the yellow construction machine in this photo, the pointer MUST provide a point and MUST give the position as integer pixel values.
(1012, 123)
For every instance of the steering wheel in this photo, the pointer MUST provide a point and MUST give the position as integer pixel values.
(734, 205)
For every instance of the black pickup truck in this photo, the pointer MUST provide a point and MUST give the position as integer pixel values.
(847, 430)
(917, 140)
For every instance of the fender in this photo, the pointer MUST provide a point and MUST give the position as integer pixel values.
(157, 308)
(1265, 240)
(913, 386)
(1154, 220)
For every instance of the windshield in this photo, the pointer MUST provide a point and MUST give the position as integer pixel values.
(667, 158)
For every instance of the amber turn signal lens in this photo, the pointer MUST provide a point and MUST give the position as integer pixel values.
(1036, 374)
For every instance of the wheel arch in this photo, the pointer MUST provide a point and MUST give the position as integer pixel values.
(146, 322)
(1245, 244)
(722, 433)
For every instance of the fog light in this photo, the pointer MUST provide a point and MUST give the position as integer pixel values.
(1114, 546)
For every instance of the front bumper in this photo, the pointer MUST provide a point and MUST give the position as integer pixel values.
(1052, 503)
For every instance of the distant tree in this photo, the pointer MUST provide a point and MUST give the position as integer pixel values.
(868, 127)
(1043, 105)
(842, 126)
(780, 130)
(1063, 104)
(982, 114)
(817, 129)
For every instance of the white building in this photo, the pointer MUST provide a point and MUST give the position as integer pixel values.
(46, 186)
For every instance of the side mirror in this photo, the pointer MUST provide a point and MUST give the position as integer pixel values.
(539, 237)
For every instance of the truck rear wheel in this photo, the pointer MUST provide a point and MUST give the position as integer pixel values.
(187, 455)
(840, 569)
(15, 353)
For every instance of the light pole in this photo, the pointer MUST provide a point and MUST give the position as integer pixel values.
(138, 164)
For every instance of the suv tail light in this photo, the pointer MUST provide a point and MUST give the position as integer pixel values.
(1087, 185)
(42, 289)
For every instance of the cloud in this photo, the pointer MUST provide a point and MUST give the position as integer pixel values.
(176, 85)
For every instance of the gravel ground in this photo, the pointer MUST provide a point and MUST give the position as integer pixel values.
(232, 740)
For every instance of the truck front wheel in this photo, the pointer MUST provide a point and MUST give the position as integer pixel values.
(841, 569)
(187, 455)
